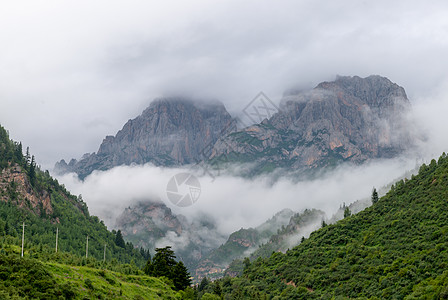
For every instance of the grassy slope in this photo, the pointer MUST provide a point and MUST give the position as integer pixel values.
(394, 249)
(35, 278)
(109, 284)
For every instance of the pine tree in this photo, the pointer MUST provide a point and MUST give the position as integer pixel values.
(27, 156)
(149, 268)
(32, 171)
(18, 152)
(203, 285)
(119, 241)
(217, 289)
(164, 262)
(6, 228)
(181, 277)
(374, 196)
(324, 224)
(347, 212)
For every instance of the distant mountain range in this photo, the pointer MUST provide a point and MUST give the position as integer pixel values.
(351, 119)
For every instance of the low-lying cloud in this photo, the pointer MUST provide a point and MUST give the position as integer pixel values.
(233, 202)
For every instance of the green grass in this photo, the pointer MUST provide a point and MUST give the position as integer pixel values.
(90, 282)
(45, 275)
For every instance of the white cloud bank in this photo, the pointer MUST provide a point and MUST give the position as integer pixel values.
(233, 202)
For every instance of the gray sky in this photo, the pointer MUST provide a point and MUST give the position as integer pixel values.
(73, 72)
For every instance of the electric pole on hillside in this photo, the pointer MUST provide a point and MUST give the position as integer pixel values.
(57, 231)
(104, 258)
(87, 246)
(23, 237)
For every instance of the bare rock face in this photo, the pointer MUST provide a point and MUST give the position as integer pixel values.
(171, 131)
(350, 119)
(15, 186)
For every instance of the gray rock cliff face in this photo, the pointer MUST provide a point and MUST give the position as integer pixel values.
(350, 119)
(171, 131)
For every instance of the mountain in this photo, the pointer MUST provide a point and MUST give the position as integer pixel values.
(32, 196)
(151, 224)
(351, 119)
(239, 244)
(171, 131)
(199, 244)
(394, 249)
(299, 226)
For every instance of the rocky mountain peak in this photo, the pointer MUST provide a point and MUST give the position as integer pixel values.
(350, 119)
(171, 131)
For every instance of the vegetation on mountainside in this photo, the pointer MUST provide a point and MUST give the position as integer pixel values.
(68, 213)
(395, 249)
(107, 268)
(42, 274)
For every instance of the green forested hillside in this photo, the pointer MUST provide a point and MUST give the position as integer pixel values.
(108, 268)
(30, 195)
(395, 249)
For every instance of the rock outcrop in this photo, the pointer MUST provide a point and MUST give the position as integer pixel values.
(15, 187)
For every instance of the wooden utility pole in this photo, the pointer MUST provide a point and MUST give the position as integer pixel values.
(104, 258)
(87, 246)
(57, 231)
(23, 237)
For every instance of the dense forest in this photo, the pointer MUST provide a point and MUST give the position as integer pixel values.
(395, 249)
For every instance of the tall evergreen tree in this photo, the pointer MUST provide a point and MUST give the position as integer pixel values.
(374, 196)
(217, 290)
(149, 268)
(203, 285)
(347, 212)
(163, 262)
(119, 241)
(27, 156)
(181, 277)
(32, 171)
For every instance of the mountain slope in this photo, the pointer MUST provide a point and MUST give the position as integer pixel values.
(32, 196)
(171, 131)
(350, 119)
(28, 278)
(239, 244)
(394, 249)
(152, 224)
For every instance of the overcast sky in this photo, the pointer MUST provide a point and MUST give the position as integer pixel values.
(72, 72)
